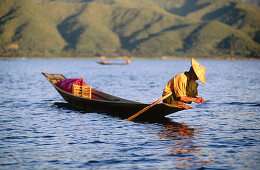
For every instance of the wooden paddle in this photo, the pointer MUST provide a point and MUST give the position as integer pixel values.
(148, 107)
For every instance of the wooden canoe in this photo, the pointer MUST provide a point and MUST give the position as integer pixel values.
(101, 102)
(111, 63)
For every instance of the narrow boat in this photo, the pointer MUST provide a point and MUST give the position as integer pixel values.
(101, 102)
(113, 63)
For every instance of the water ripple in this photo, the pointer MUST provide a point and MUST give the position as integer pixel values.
(40, 131)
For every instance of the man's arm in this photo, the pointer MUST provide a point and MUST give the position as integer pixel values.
(187, 99)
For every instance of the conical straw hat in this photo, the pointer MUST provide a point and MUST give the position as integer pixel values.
(199, 70)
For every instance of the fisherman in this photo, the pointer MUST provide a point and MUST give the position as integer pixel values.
(184, 86)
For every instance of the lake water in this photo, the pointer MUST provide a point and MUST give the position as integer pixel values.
(222, 133)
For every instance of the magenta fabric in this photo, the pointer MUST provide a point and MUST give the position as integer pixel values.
(67, 84)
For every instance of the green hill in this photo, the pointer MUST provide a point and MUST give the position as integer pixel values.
(140, 28)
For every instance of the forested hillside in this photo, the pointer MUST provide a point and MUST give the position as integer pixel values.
(254, 2)
(139, 28)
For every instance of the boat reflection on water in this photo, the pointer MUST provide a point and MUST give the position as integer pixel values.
(182, 141)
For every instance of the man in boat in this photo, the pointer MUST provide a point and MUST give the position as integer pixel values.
(184, 86)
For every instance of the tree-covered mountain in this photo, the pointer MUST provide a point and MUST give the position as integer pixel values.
(141, 28)
(254, 2)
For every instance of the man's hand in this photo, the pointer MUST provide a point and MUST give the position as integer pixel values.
(199, 100)
(179, 103)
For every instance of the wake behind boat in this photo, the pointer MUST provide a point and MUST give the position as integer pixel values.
(101, 102)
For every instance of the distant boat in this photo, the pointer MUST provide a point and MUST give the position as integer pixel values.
(112, 63)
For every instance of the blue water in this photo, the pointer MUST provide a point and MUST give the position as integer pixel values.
(222, 133)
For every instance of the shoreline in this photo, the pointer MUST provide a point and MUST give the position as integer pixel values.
(132, 58)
